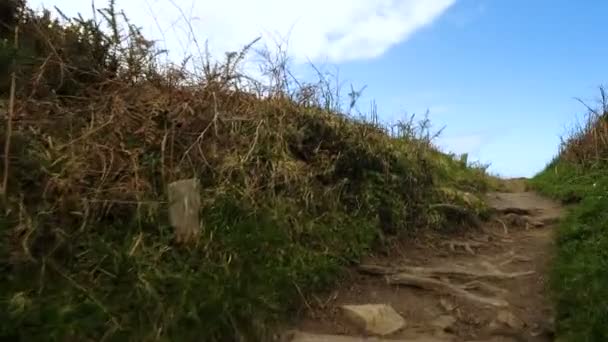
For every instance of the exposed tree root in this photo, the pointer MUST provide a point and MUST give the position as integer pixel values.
(515, 258)
(506, 259)
(505, 229)
(444, 288)
(498, 237)
(379, 270)
(467, 246)
(502, 275)
(491, 271)
(480, 285)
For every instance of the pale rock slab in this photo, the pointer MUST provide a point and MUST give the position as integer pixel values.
(184, 207)
(376, 319)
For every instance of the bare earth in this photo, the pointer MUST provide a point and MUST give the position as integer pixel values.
(487, 285)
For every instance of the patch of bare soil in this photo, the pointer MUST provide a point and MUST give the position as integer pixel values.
(487, 285)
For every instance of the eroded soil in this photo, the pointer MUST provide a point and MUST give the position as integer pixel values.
(487, 285)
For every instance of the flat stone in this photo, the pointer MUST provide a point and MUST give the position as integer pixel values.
(508, 319)
(305, 337)
(376, 319)
(308, 337)
(515, 220)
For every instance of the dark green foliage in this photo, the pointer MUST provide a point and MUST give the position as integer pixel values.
(580, 274)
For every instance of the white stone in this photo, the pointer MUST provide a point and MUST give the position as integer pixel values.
(507, 318)
(184, 206)
(376, 319)
(307, 337)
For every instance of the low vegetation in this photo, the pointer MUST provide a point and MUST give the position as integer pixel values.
(94, 128)
(578, 176)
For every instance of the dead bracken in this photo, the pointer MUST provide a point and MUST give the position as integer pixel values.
(292, 185)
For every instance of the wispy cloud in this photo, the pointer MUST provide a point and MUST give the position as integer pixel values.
(465, 15)
(469, 143)
(318, 30)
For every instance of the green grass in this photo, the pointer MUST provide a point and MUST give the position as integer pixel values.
(579, 279)
(250, 270)
(578, 176)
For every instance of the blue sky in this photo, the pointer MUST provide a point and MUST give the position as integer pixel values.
(501, 75)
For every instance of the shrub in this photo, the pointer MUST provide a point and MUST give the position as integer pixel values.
(292, 189)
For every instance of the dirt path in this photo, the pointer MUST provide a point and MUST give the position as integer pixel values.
(489, 285)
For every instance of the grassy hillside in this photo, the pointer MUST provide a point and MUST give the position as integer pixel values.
(579, 176)
(293, 191)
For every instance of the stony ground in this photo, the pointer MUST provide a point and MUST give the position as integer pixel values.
(487, 285)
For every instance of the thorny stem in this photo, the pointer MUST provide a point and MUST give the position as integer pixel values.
(9, 120)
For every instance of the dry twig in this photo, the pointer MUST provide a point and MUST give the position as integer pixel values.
(444, 288)
(9, 119)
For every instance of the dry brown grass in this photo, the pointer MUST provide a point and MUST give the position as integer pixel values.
(588, 142)
(292, 189)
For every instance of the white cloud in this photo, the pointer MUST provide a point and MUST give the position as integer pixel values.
(470, 143)
(319, 30)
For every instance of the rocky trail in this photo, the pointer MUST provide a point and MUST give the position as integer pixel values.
(487, 285)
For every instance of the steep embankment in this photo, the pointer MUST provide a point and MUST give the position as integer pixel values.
(579, 177)
(292, 190)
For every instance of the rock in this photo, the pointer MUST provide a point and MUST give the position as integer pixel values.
(523, 221)
(307, 337)
(184, 206)
(444, 323)
(376, 319)
(509, 319)
(447, 304)
(515, 220)
(462, 197)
